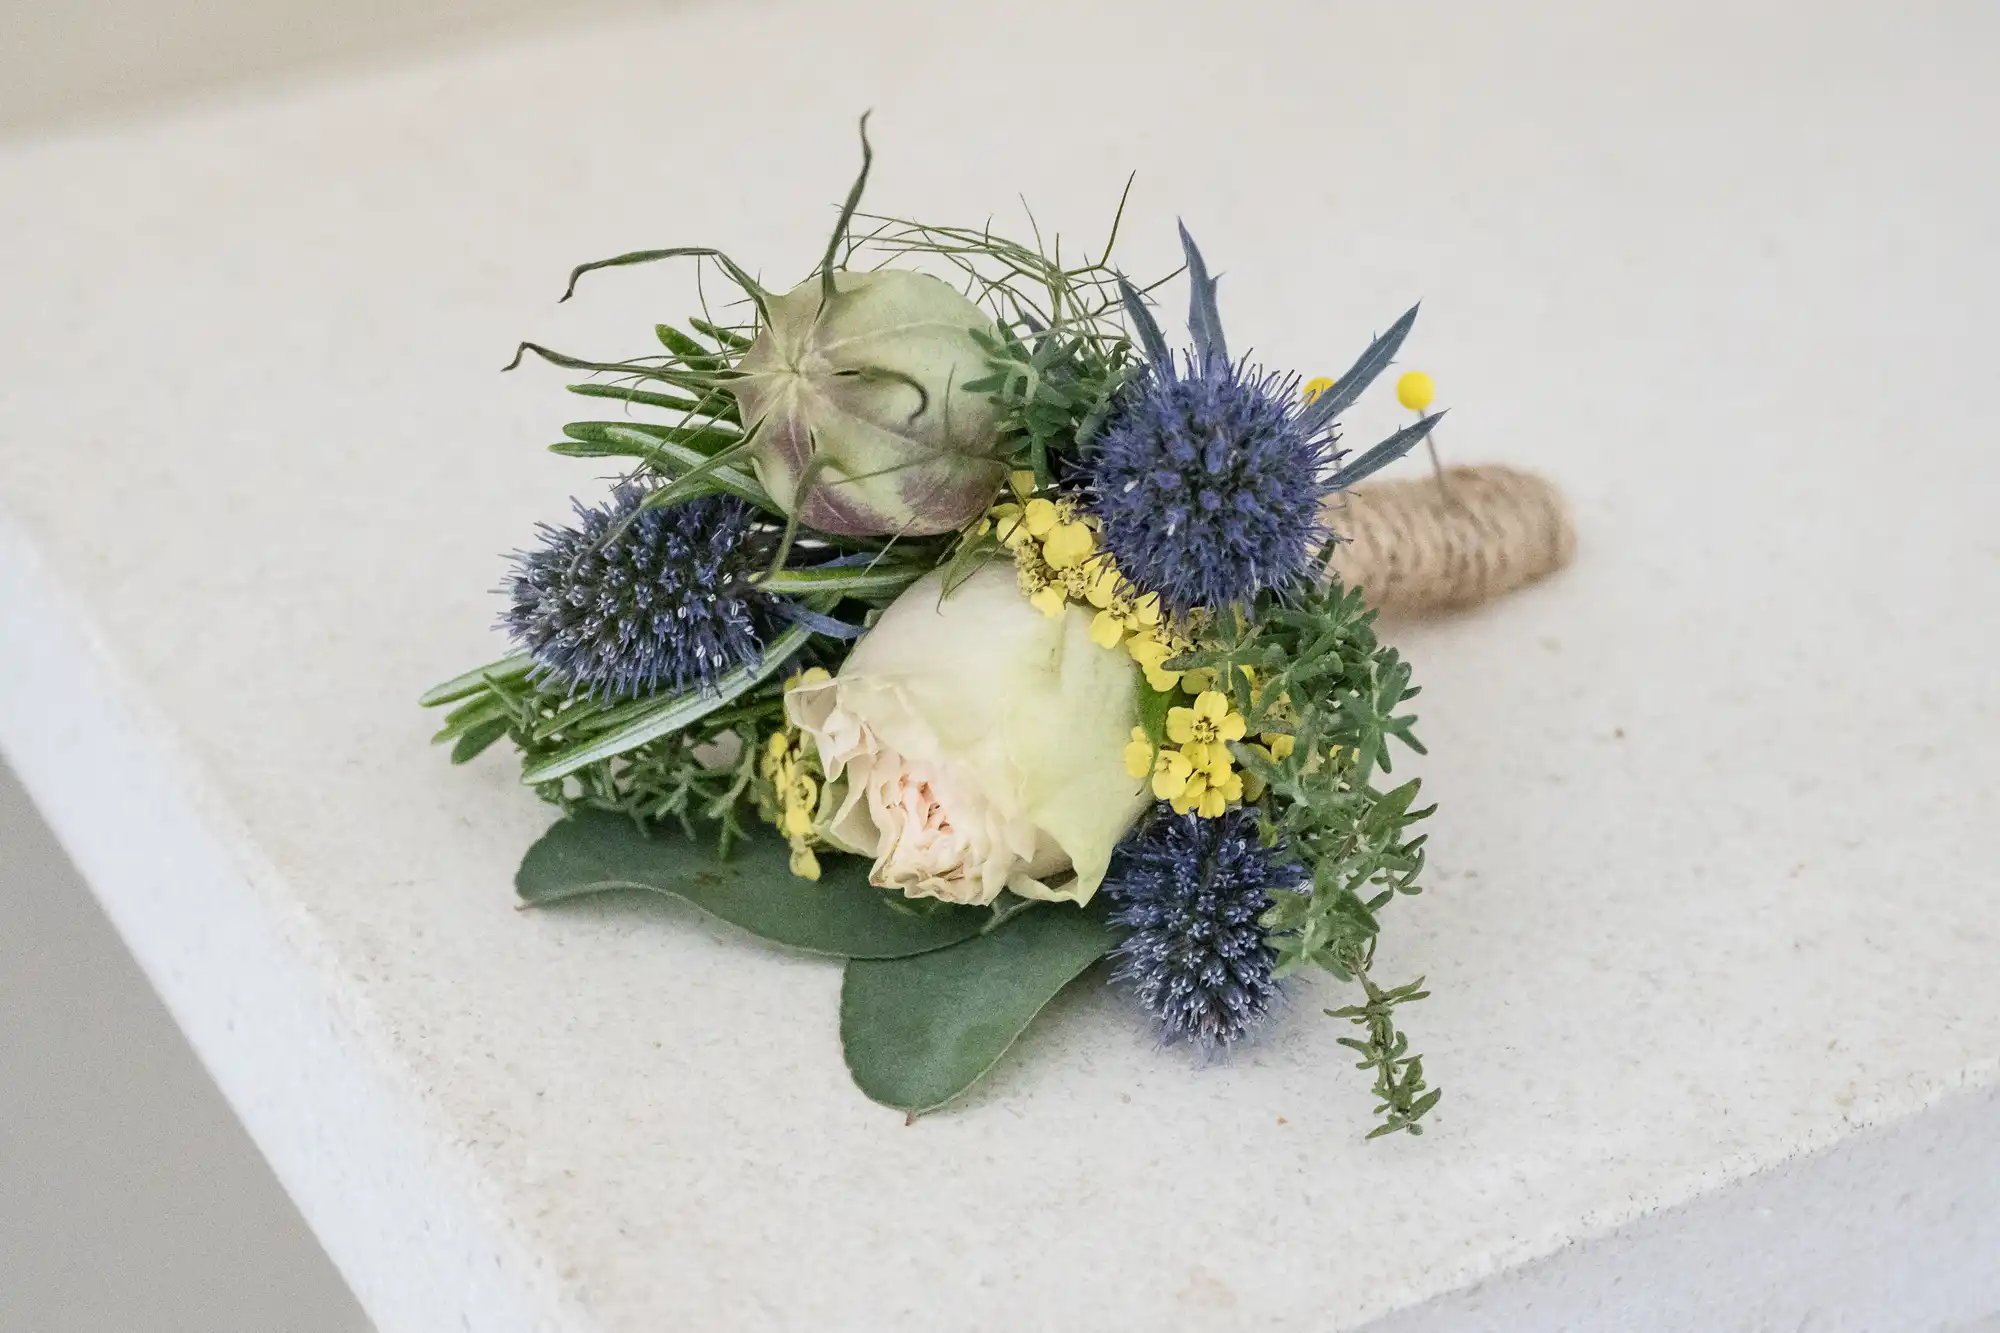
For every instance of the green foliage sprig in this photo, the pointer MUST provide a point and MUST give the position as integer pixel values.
(701, 777)
(1317, 672)
(1061, 352)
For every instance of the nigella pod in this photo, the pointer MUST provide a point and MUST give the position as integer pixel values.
(853, 388)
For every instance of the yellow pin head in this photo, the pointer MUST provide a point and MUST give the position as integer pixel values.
(1415, 390)
(1315, 387)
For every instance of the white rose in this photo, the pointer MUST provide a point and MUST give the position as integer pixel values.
(981, 742)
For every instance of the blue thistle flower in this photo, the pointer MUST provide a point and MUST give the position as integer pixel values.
(623, 605)
(1208, 476)
(1189, 892)
(1206, 488)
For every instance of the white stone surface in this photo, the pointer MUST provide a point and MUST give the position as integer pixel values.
(1713, 881)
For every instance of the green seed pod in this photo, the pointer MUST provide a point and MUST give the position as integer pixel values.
(862, 428)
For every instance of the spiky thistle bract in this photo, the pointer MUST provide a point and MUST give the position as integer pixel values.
(635, 600)
(1189, 893)
(1210, 477)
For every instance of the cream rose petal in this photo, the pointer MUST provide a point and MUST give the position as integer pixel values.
(982, 743)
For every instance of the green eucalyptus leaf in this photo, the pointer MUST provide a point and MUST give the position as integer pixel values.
(919, 1031)
(840, 914)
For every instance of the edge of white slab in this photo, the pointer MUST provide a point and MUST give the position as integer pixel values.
(1893, 1227)
(297, 1062)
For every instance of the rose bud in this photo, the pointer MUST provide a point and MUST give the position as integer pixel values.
(862, 428)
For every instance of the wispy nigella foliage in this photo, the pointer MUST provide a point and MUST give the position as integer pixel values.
(1189, 891)
(1209, 477)
(615, 608)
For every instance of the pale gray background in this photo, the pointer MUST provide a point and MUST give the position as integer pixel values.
(131, 1201)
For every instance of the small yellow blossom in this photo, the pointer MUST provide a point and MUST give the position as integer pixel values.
(1068, 545)
(1151, 646)
(1008, 527)
(1197, 680)
(1210, 720)
(1172, 775)
(1200, 775)
(1040, 517)
(1415, 390)
(1139, 754)
(1050, 600)
(1208, 795)
(790, 803)
(1103, 587)
(1253, 785)
(1149, 652)
(1121, 610)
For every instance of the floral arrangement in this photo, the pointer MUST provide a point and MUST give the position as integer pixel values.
(947, 619)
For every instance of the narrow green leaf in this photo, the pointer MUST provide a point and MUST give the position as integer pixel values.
(1154, 705)
(850, 580)
(706, 383)
(472, 682)
(728, 337)
(840, 914)
(709, 438)
(476, 740)
(668, 401)
(670, 714)
(691, 353)
(967, 559)
(702, 477)
(919, 1031)
(672, 459)
(751, 287)
(471, 715)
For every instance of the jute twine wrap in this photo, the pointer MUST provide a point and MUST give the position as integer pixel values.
(1419, 547)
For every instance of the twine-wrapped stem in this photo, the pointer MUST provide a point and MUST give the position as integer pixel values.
(1449, 541)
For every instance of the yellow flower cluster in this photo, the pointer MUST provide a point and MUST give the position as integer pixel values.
(1056, 556)
(792, 769)
(1196, 772)
(1054, 546)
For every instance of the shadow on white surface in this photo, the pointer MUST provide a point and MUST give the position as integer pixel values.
(130, 1197)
